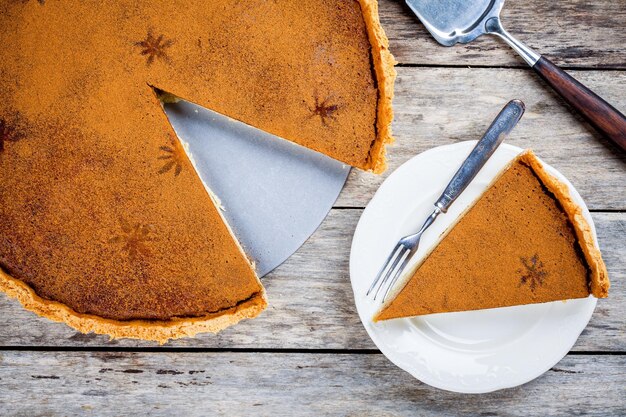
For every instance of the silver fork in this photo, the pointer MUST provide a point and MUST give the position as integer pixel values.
(486, 146)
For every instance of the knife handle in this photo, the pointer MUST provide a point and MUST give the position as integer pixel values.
(486, 146)
(604, 117)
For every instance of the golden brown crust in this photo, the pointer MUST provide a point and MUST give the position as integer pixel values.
(599, 279)
(384, 64)
(158, 331)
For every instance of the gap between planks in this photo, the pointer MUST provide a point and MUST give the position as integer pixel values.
(573, 34)
(200, 350)
(311, 307)
(440, 106)
(517, 67)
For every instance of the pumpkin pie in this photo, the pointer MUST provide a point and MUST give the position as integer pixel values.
(523, 241)
(104, 224)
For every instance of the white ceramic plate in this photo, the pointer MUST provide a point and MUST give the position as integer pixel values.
(470, 352)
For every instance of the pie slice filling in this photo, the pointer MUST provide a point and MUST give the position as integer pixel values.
(523, 241)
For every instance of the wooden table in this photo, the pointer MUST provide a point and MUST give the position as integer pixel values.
(308, 354)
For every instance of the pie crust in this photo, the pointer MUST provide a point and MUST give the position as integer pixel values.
(384, 64)
(599, 278)
(158, 331)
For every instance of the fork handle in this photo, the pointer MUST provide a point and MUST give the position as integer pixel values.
(486, 146)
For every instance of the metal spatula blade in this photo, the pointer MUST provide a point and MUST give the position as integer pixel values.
(455, 21)
(274, 193)
(462, 21)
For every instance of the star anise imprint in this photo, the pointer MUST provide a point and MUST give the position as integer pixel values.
(173, 155)
(134, 238)
(533, 273)
(324, 109)
(154, 47)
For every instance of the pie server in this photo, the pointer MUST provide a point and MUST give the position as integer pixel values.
(273, 193)
(462, 21)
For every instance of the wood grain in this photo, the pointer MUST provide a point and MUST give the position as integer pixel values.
(573, 33)
(439, 106)
(226, 384)
(311, 303)
(604, 117)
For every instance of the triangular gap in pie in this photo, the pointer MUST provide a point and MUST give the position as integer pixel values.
(523, 241)
(104, 224)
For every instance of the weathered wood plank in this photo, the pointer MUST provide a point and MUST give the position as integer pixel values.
(311, 302)
(575, 33)
(225, 384)
(438, 106)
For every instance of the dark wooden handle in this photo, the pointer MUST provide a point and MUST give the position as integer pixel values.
(604, 117)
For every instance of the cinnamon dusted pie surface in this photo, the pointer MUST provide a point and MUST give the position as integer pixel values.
(524, 241)
(104, 223)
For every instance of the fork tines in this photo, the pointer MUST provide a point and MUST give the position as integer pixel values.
(399, 256)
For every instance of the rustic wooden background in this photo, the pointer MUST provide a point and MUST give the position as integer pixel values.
(308, 353)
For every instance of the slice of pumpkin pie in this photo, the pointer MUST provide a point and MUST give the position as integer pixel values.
(104, 224)
(523, 241)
